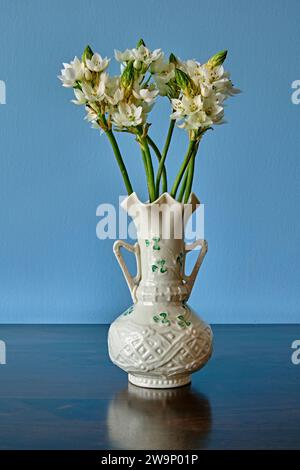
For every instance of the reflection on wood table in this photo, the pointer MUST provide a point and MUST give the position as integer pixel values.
(58, 390)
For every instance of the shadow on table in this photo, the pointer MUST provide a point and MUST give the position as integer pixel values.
(141, 418)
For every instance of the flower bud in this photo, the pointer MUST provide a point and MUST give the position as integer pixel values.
(87, 54)
(88, 74)
(173, 90)
(217, 59)
(183, 81)
(128, 75)
(140, 43)
(137, 64)
(173, 59)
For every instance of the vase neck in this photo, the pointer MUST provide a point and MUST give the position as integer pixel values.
(162, 270)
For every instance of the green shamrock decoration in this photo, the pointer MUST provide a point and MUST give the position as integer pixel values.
(160, 264)
(182, 322)
(162, 318)
(156, 245)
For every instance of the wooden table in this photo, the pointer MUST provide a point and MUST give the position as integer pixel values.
(60, 391)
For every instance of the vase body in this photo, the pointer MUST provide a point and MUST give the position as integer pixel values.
(159, 340)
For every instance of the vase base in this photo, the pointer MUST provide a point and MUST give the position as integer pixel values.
(157, 382)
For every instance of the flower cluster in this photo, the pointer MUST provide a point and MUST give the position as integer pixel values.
(204, 88)
(196, 93)
(123, 100)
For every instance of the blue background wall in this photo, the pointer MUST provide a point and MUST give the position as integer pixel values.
(55, 170)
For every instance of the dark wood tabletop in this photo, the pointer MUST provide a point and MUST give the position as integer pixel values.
(59, 390)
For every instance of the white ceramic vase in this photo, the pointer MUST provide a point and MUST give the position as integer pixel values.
(159, 340)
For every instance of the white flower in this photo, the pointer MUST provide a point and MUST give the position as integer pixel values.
(212, 74)
(206, 89)
(226, 87)
(213, 107)
(80, 97)
(71, 73)
(186, 106)
(142, 56)
(198, 76)
(125, 56)
(198, 112)
(145, 56)
(116, 98)
(163, 68)
(148, 95)
(192, 68)
(196, 121)
(145, 94)
(96, 93)
(96, 63)
(163, 72)
(101, 88)
(219, 80)
(91, 115)
(114, 93)
(88, 92)
(127, 115)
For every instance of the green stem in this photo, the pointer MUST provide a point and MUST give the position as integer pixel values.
(191, 170)
(159, 157)
(145, 162)
(190, 177)
(119, 159)
(163, 156)
(183, 167)
(183, 186)
(150, 173)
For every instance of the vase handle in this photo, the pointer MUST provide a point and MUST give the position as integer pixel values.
(190, 280)
(132, 282)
